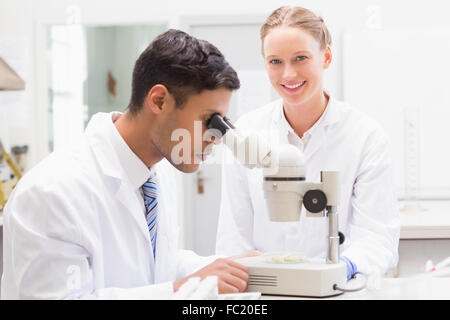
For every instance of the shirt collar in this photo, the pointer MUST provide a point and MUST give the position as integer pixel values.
(307, 135)
(136, 170)
(329, 116)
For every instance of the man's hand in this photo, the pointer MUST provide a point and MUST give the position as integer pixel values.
(244, 255)
(232, 276)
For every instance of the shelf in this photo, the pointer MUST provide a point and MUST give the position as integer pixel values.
(425, 220)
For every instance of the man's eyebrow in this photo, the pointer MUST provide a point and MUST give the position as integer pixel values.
(212, 111)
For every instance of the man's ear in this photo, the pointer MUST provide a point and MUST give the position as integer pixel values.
(328, 57)
(157, 98)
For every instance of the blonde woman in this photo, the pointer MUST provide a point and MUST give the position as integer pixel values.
(296, 47)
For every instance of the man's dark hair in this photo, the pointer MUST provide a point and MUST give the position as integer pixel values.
(184, 65)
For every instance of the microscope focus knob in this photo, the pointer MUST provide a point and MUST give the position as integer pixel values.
(315, 201)
(341, 238)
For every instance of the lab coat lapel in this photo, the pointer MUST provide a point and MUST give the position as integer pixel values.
(110, 166)
(319, 135)
(277, 134)
(130, 204)
(317, 140)
(165, 269)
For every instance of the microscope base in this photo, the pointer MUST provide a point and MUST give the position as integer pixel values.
(313, 278)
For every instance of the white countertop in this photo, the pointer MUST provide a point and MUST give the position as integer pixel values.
(391, 289)
(425, 220)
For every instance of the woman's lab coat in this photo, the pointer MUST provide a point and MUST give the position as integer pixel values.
(344, 140)
(74, 228)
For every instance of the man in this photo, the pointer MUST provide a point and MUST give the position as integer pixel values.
(98, 220)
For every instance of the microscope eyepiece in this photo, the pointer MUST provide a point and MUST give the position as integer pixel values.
(220, 123)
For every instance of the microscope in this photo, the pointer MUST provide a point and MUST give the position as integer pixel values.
(285, 191)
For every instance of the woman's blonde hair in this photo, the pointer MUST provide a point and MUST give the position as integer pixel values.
(297, 17)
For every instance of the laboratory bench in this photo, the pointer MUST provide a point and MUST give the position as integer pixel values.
(425, 220)
(424, 235)
(413, 288)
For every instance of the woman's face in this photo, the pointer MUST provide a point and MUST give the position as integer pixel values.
(295, 64)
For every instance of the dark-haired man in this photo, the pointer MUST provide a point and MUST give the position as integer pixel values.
(97, 220)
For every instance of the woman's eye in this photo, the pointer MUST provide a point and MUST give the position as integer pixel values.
(300, 58)
(275, 61)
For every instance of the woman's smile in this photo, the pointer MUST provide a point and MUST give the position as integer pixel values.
(293, 86)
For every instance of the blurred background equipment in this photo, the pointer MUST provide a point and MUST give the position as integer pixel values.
(9, 79)
(19, 155)
(10, 172)
(9, 175)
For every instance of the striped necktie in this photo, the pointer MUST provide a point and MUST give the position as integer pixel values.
(151, 207)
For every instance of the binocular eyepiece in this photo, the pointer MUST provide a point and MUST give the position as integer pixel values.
(220, 123)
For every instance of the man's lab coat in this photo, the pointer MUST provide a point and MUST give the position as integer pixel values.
(344, 140)
(75, 228)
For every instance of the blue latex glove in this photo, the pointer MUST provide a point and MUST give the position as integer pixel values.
(351, 267)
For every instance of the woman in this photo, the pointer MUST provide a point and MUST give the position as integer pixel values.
(333, 136)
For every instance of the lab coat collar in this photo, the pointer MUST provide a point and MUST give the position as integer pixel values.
(100, 127)
(316, 133)
(330, 115)
(135, 169)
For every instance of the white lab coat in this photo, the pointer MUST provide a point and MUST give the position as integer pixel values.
(74, 228)
(345, 140)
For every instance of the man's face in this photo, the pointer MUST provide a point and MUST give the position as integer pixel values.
(182, 139)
